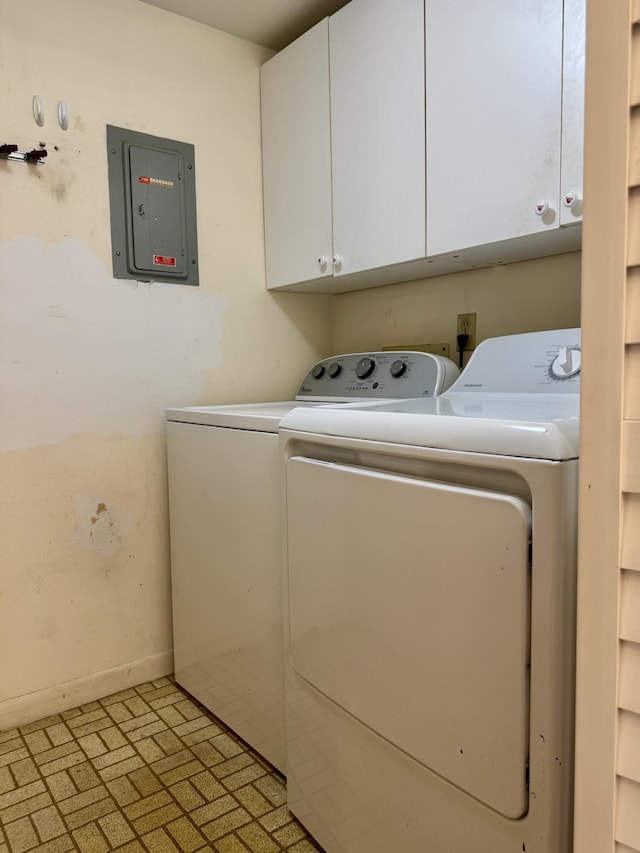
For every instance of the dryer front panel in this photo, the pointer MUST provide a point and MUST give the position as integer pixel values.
(409, 608)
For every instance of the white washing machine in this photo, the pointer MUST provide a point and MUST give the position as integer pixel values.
(430, 556)
(225, 524)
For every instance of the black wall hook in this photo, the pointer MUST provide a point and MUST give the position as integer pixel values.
(9, 151)
(36, 155)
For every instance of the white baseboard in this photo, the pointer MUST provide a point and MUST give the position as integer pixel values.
(53, 700)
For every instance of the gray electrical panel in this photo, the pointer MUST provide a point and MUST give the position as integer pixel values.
(152, 190)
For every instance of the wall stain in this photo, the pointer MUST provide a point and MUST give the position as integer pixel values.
(59, 191)
(104, 537)
(99, 510)
(100, 527)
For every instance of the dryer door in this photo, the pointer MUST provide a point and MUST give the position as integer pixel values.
(409, 608)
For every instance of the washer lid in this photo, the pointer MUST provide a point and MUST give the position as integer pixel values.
(263, 417)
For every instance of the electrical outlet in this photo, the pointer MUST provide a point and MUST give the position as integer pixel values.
(467, 326)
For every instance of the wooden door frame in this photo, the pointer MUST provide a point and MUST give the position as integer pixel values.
(603, 299)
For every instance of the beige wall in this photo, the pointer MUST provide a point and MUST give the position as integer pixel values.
(523, 297)
(88, 363)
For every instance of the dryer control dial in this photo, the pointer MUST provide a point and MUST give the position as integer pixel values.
(318, 371)
(566, 363)
(334, 370)
(365, 367)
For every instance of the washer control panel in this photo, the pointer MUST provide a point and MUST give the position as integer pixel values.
(378, 376)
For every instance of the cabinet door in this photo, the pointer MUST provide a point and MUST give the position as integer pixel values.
(494, 89)
(377, 133)
(296, 160)
(572, 111)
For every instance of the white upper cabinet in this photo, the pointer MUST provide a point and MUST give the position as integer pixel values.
(377, 133)
(572, 112)
(343, 140)
(296, 154)
(408, 138)
(494, 110)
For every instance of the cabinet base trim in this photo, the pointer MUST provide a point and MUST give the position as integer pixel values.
(544, 244)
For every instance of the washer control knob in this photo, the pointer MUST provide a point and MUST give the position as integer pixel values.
(334, 370)
(566, 363)
(318, 371)
(398, 368)
(365, 367)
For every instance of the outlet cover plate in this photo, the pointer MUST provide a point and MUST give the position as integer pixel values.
(466, 325)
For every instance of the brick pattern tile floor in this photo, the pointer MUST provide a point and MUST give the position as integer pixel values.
(147, 769)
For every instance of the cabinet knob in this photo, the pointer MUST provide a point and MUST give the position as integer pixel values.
(337, 261)
(570, 199)
(542, 207)
(322, 262)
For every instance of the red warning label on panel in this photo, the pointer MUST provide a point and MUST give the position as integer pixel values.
(164, 261)
(157, 182)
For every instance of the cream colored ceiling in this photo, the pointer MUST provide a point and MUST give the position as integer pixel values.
(272, 23)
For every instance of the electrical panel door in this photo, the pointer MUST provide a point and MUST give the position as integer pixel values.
(153, 210)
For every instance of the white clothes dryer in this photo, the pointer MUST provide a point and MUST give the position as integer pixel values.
(225, 525)
(430, 556)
